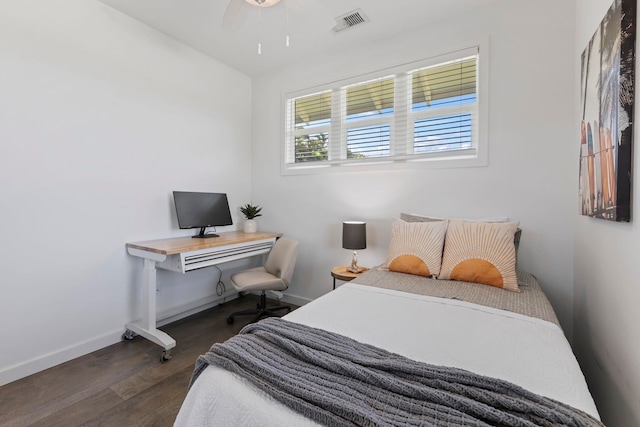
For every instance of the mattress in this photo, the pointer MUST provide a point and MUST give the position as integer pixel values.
(530, 301)
(530, 352)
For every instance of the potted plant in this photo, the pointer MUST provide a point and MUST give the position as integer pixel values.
(250, 212)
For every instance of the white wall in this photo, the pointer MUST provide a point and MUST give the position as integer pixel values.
(607, 285)
(530, 176)
(101, 118)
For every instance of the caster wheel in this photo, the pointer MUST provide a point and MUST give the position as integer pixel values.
(166, 356)
(230, 320)
(128, 335)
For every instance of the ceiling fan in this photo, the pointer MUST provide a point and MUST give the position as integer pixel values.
(238, 10)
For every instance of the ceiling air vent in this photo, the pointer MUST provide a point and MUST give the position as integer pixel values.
(350, 19)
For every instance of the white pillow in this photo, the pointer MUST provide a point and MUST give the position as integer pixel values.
(481, 252)
(416, 247)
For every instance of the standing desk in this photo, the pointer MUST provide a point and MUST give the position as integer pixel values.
(184, 254)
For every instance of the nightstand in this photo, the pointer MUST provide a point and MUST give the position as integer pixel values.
(342, 273)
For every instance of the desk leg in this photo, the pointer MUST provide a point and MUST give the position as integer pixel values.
(146, 327)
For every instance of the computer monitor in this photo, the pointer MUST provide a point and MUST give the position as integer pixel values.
(202, 210)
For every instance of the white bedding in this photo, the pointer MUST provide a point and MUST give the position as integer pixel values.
(529, 352)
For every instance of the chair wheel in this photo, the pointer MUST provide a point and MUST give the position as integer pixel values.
(229, 320)
(128, 335)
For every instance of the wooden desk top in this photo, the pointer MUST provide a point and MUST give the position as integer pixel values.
(178, 245)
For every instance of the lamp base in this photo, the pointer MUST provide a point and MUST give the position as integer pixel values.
(354, 264)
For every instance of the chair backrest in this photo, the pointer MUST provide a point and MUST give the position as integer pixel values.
(282, 259)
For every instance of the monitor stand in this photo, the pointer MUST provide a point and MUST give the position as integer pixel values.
(203, 235)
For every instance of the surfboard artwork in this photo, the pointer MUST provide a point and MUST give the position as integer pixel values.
(607, 107)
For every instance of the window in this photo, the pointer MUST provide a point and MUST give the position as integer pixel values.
(368, 118)
(443, 106)
(312, 125)
(418, 112)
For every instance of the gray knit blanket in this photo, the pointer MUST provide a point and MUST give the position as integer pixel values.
(337, 381)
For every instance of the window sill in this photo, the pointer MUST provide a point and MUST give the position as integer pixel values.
(451, 159)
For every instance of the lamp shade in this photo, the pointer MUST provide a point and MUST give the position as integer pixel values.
(354, 235)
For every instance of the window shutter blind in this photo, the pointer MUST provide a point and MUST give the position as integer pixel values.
(312, 122)
(412, 112)
(313, 110)
(444, 103)
(369, 111)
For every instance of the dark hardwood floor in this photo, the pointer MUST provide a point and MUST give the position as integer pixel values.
(124, 384)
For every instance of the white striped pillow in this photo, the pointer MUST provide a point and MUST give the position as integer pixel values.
(416, 247)
(481, 252)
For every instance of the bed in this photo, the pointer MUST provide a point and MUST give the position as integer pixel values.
(398, 348)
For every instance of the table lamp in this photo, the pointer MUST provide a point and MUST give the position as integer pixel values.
(354, 236)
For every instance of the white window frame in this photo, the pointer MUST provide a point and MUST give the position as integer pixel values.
(401, 122)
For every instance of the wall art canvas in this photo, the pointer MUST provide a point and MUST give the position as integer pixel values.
(606, 107)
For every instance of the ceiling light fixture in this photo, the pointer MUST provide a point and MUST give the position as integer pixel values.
(259, 31)
(267, 3)
(237, 10)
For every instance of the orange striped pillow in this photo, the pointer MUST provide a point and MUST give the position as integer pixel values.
(416, 247)
(481, 252)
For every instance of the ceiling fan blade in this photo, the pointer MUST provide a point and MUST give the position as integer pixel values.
(235, 15)
(314, 9)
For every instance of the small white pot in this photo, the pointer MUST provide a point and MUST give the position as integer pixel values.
(250, 226)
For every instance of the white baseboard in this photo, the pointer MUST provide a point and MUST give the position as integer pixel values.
(46, 361)
(286, 298)
(49, 360)
(296, 300)
(189, 309)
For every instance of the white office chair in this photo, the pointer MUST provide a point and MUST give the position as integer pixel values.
(275, 275)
